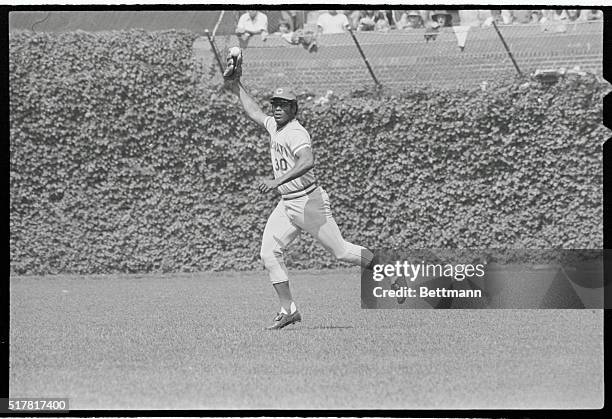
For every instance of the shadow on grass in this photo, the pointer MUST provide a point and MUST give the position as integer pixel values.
(298, 328)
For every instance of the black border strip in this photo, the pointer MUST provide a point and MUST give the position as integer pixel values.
(607, 201)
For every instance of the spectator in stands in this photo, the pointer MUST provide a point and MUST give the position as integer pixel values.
(410, 19)
(521, 17)
(592, 14)
(382, 23)
(507, 18)
(252, 23)
(394, 17)
(441, 18)
(299, 37)
(367, 21)
(354, 16)
(436, 21)
(573, 15)
(494, 16)
(553, 20)
(583, 15)
(373, 20)
(390, 18)
(285, 31)
(308, 39)
(332, 22)
(536, 16)
(547, 15)
(559, 15)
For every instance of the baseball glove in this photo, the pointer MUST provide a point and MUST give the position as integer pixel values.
(233, 69)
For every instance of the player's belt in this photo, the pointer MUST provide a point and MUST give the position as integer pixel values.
(299, 193)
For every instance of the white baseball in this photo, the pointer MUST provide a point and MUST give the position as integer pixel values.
(234, 51)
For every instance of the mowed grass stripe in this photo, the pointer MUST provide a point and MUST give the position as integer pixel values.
(196, 341)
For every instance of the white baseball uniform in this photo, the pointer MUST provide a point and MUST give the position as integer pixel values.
(304, 206)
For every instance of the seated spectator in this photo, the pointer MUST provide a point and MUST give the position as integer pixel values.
(332, 22)
(521, 17)
(495, 16)
(390, 18)
(507, 17)
(536, 16)
(354, 16)
(573, 15)
(300, 37)
(553, 21)
(400, 17)
(366, 21)
(383, 24)
(285, 31)
(411, 19)
(393, 17)
(583, 15)
(441, 18)
(432, 26)
(559, 15)
(252, 23)
(547, 15)
(593, 14)
(373, 20)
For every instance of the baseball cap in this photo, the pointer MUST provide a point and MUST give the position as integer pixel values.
(283, 93)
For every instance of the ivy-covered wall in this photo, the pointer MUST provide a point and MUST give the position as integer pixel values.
(122, 162)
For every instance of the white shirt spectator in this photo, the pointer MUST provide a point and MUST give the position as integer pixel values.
(256, 25)
(332, 23)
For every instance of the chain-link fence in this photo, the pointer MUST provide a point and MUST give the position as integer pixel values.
(450, 56)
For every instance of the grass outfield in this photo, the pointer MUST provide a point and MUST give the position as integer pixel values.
(195, 341)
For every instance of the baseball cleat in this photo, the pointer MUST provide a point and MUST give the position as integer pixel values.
(282, 320)
(399, 282)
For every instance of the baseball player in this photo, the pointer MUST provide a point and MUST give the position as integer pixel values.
(304, 204)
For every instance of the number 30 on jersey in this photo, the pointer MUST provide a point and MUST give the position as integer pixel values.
(280, 165)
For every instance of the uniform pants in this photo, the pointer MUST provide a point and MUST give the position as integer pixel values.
(310, 213)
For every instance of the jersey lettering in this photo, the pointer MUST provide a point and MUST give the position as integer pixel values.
(279, 149)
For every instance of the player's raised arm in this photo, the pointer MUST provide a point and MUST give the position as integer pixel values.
(232, 79)
(250, 106)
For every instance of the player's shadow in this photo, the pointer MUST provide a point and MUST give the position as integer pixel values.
(318, 328)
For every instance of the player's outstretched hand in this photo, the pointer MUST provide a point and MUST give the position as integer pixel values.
(233, 69)
(266, 185)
